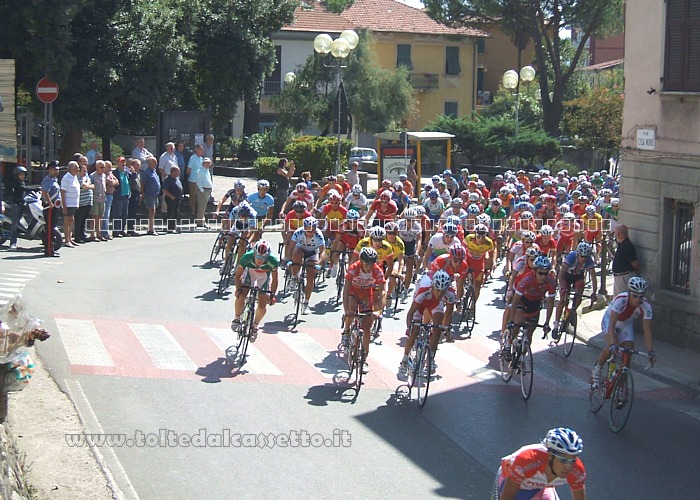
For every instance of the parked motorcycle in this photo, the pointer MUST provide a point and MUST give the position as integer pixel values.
(32, 224)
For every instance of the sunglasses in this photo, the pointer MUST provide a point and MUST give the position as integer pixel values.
(567, 461)
(377, 239)
(637, 295)
(540, 273)
(449, 235)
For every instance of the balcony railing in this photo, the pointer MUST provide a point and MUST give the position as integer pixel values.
(271, 87)
(424, 81)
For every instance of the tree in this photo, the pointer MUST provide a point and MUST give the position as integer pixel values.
(379, 99)
(596, 118)
(542, 21)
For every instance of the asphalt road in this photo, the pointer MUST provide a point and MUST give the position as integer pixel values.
(139, 348)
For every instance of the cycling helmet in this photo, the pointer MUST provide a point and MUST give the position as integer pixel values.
(452, 219)
(20, 170)
(403, 177)
(377, 233)
(547, 182)
(483, 219)
(301, 187)
(564, 209)
(334, 196)
(499, 177)
(356, 189)
(244, 210)
(584, 249)
(526, 215)
(450, 229)
(481, 230)
(590, 209)
(504, 190)
(570, 216)
(262, 183)
(637, 285)
(583, 198)
(458, 252)
(543, 262)
(385, 196)
(386, 184)
(310, 223)
(546, 229)
(409, 213)
(262, 249)
(331, 178)
(420, 211)
(575, 193)
(352, 215)
(524, 198)
(473, 197)
(529, 235)
(456, 202)
(496, 202)
(238, 185)
(473, 209)
(606, 192)
(447, 172)
(536, 191)
(480, 184)
(391, 227)
(563, 440)
(519, 186)
(464, 193)
(398, 186)
(615, 201)
(434, 194)
(368, 254)
(441, 280)
(299, 206)
(435, 178)
(532, 251)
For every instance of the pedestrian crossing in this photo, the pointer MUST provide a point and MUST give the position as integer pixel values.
(181, 350)
(14, 276)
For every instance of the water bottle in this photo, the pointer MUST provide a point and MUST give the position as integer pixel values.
(612, 370)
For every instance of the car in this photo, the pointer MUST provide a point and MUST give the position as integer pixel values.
(362, 154)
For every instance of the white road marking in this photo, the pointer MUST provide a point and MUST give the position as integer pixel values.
(256, 361)
(162, 347)
(82, 343)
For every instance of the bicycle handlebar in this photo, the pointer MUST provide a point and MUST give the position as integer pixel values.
(257, 289)
(430, 325)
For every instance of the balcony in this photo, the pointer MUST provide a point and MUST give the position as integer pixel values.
(424, 81)
(271, 87)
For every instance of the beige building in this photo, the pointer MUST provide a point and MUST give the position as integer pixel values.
(660, 161)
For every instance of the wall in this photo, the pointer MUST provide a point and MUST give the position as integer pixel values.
(501, 55)
(11, 474)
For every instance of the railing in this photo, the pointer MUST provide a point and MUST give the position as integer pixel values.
(271, 87)
(424, 81)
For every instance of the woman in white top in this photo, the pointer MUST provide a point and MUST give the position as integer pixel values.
(70, 196)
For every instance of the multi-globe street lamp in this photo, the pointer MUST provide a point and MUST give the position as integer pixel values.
(511, 81)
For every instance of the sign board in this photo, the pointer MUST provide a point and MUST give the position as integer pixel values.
(46, 91)
(395, 162)
(646, 139)
(8, 125)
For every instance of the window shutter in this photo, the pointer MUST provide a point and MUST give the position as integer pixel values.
(452, 60)
(692, 73)
(673, 70)
(403, 56)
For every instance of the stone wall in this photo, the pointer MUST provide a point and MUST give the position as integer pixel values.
(12, 484)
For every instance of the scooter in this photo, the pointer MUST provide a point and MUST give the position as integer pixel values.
(32, 224)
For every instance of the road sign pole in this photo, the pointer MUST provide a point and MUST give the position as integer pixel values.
(52, 137)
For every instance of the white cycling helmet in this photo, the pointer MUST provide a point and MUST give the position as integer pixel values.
(441, 280)
(637, 285)
(356, 189)
(584, 249)
(546, 229)
(377, 233)
(262, 183)
(570, 216)
(563, 440)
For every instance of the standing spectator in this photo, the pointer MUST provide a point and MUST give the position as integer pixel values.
(91, 153)
(306, 177)
(135, 196)
(204, 185)
(98, 180)
(141, 153)
(70, 197)
(172, 191)
(180, 155)
(16, 192)
(166, 161)
(284, 172)
(209, 149)
(51, 195)
(625, 263)
(111, 184)
(85, 202)
(193, 168)
(150, 188)
(353, 174)
(412, 174)
(120, 203)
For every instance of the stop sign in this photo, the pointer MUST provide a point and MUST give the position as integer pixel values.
(46, 90)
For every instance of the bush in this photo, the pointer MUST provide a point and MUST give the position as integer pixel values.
(265, 168)
(557, 164)
(317, 154)
(228, 148)
(115, 149)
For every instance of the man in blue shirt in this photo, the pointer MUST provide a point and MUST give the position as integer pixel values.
(264, 205)
(150, 188)
(51, 194)
(193, 167)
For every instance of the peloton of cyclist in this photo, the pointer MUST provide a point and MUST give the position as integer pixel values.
(350, 232)
(308, 246)
(478, 245)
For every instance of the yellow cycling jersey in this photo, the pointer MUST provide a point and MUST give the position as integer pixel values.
(383, 254)
(592, 224)
(477, 250)
(398, 247)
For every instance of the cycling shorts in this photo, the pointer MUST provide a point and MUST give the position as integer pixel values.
(531, 308)
(578, 281)
(410, 249)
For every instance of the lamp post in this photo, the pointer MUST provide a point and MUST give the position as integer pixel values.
(339, 49)
(511, 81)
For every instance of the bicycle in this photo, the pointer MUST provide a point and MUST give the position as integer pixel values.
(567, 324)
(340, 278)
(618, 387)
(518, 358)
(356, 354)
(398, 292)
(237, 354)
(227, 271)
(219, 246)
(298, 292)
(420, 363)
(468, 304)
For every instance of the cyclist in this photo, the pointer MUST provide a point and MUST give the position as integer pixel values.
(334, 214)
(400, 198)
(292, 221)
(440, 243)
(300, 193)
(618, 323)
(546, 242)
(236, 195)
(428, 306)
(478, 245)
(356, 200)
(410, 233)
(332, 184)
(307, 246)
(527, 301)
(351, 230)
(567, 229)
(573, 272)
(592, 226)
(264, 205)
(257, 267)
(399, 250)
(434, 206)
(535, 471)
(521, 267)
(243, 220)
(455, 210)
(518, 249)
(376, 240)
(407, 185)
(384, 208)
(365, 291)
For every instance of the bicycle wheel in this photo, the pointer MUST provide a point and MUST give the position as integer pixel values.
(621, 401)
(468, 309)
(225, 275)
(596, 396)
(361, 358)
(526, 367)
(298, 294)
(568, 331)
(423, 382)
(247, 329)
(397, 295)
(216, 249)
(340, 280)
(506, 365)
(352, 353)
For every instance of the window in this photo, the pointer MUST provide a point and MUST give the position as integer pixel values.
(481, 46)
(681, 245)
(452, 61)
(403, 56)
(273, 83)
(682, 47)
(479, 79)
(451, 109)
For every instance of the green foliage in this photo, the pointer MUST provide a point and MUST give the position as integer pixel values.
(596, 118)
(114, 148)
(267, 143)
(229, 147)
(265, 167)
(529, 109)
(556, 164)
(318, 154)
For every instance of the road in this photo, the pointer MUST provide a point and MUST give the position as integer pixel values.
(139, 347)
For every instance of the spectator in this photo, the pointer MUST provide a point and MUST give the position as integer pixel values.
(412, 173)
(172, 191)
(209, 149)
(204, 185)
(87, 189)
(306, 178)
(51, 194)
(180, 155)
(140, 153)
(99, 180)
(16, 192)
(135, 185)
(70, 197)
(111, 184)
(193, 167)
(285, 171)
(120, 203)
(150, 189)
(353, 174)
(625, 263)
(166, 161)
(91, 153)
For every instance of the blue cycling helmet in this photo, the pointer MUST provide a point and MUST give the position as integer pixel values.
(450, 229)
(244, 210)
(434, 194)
(353, 215)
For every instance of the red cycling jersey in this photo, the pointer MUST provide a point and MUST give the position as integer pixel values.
(443, 262)
(528, 465)
(532, 290)
(361, 282)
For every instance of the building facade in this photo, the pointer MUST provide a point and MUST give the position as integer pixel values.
(660, 160)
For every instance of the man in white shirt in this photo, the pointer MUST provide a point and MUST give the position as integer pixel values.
(141, 153)
(193, 167)
(203, 190)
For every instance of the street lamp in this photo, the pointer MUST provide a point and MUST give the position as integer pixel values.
(339, 49)
(511, 81)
